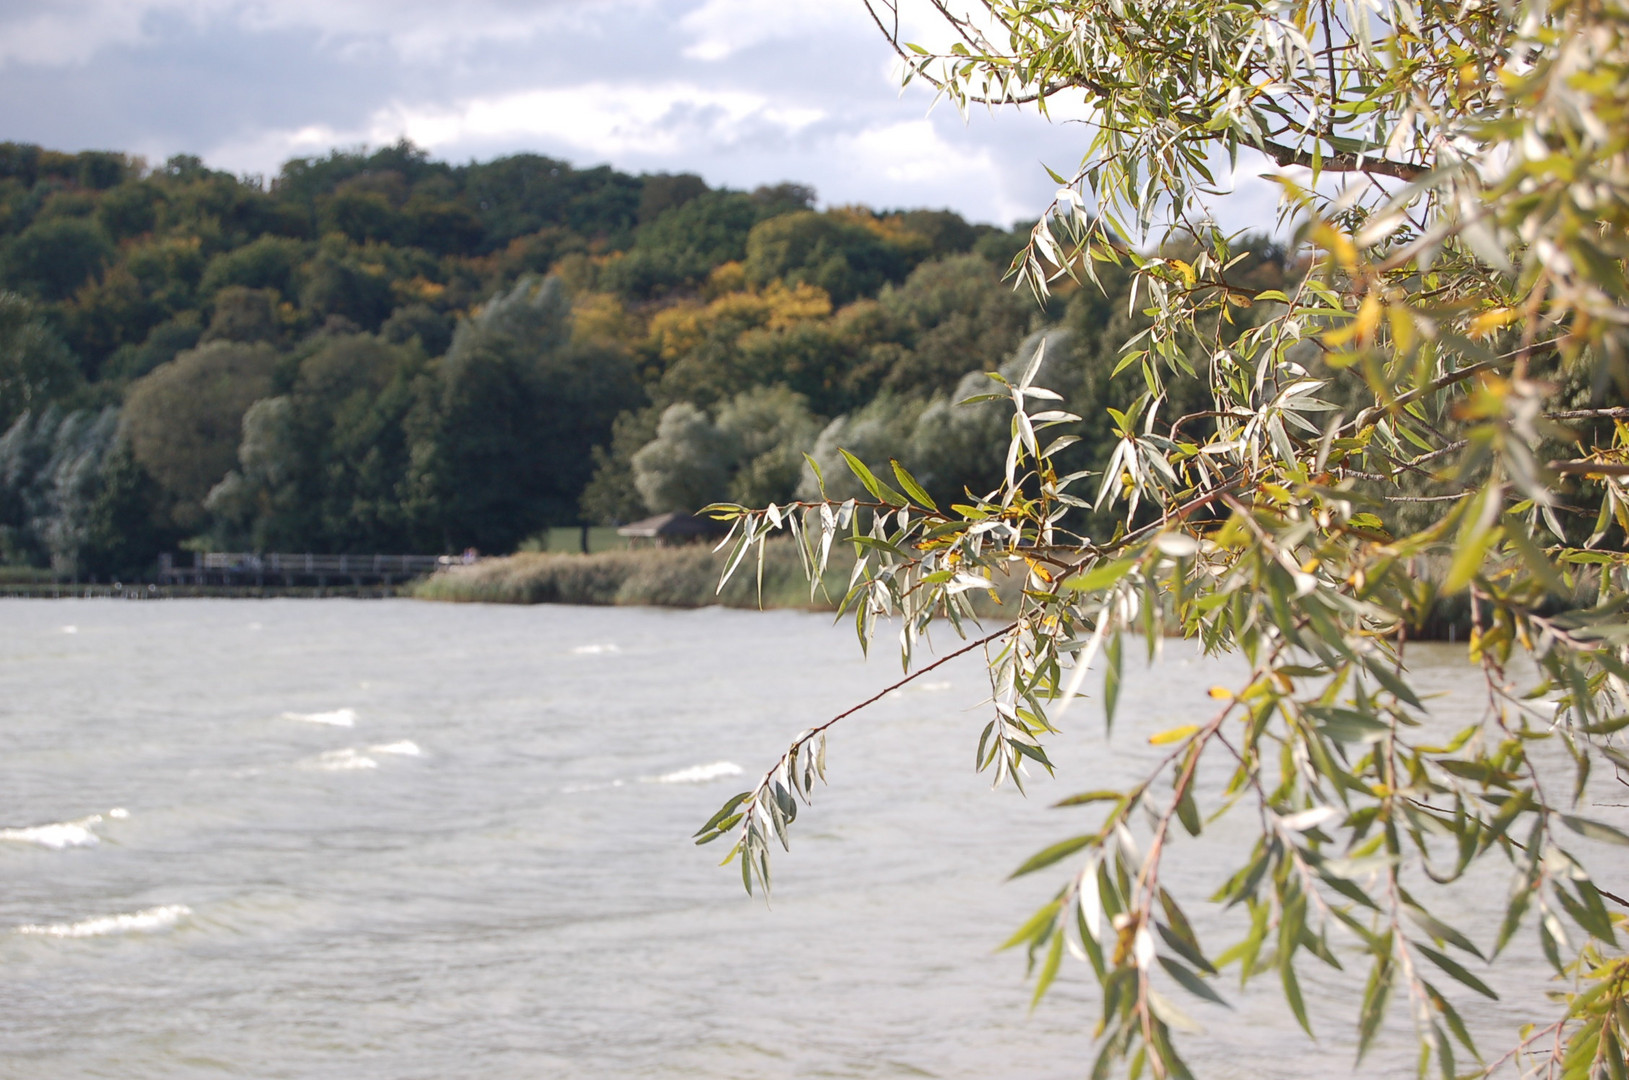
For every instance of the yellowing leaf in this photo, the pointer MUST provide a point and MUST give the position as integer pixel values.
(1337, 244)
(1221, 693)
(1489, 321)
(1402, 327)
(1176, 734)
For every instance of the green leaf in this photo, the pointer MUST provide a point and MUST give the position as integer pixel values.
(1607, 727)
(912, 488)
(1455, 1023)
(1184, 949)
(1191, 982)
(1090, 797)
(1049, 969)
(1100, 576)
(1188, 813)
(724, 811)
(1457, 971)
(1292, 994)
(880, 491)
(1588, 911)
(1389, 679)
(1049, 855)
(814, 467)
(1441, 931)
(1038, 926)
(1595, 830)
(1376, 996)
(1111, 677)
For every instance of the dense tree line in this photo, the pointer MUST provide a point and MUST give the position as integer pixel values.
(377, 351)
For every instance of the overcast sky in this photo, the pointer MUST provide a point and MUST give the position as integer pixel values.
(743, 92)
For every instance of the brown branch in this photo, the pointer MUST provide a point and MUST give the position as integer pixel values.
(917, 674)
(1589, 468)
(1589, 414)
(1358, 163)
(873, 699)
(1375, 412)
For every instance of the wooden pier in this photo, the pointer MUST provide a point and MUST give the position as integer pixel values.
(289, 570)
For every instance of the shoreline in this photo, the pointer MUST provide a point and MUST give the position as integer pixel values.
(145, 592)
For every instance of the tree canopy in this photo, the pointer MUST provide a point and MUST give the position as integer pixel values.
(431, 425)
(1416, 404)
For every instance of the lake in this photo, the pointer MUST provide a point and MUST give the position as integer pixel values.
(392, 839)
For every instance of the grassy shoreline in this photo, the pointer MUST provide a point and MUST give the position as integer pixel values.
(681, 577)
(687, 577)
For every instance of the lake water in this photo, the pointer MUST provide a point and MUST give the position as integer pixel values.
(388, 839)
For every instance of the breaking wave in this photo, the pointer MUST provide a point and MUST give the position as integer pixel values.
(347, 760)
(333, 718)
(62, 834)
(699, 774)
(135, 922)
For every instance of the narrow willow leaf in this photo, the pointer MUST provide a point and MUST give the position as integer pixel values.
(1100, 576)
(912, 488)
(1191, 982)
(1049, 968)
(1292, 995)
(1111, 677)
(1037, 926)
(1086, 797)
(1595, 830)
(1185, 949)
(724, 811)
(1457, 971)
(1049, 855)
(877, 488)
(1376, 996)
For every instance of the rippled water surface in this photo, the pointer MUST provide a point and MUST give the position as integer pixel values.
(385, 839)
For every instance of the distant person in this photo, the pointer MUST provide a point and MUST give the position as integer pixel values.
(470, 555)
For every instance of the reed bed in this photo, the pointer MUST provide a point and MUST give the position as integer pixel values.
(682, 577)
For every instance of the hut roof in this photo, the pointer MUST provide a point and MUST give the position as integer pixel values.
(673, 526)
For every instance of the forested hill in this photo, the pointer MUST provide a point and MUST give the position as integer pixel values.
(381, 352)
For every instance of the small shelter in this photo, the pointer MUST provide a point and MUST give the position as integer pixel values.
(668, 530)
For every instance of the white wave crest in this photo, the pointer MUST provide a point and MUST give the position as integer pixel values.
(574, 789)
(700, 774)
(595, 650)
(60, 834)
(136, 922)
(334, 718)
(70, 629)
(347, 760)
(406, 748)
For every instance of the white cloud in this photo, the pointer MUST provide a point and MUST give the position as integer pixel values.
(912, 152)
(721, 28)
(604, 119)
(68, 32)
